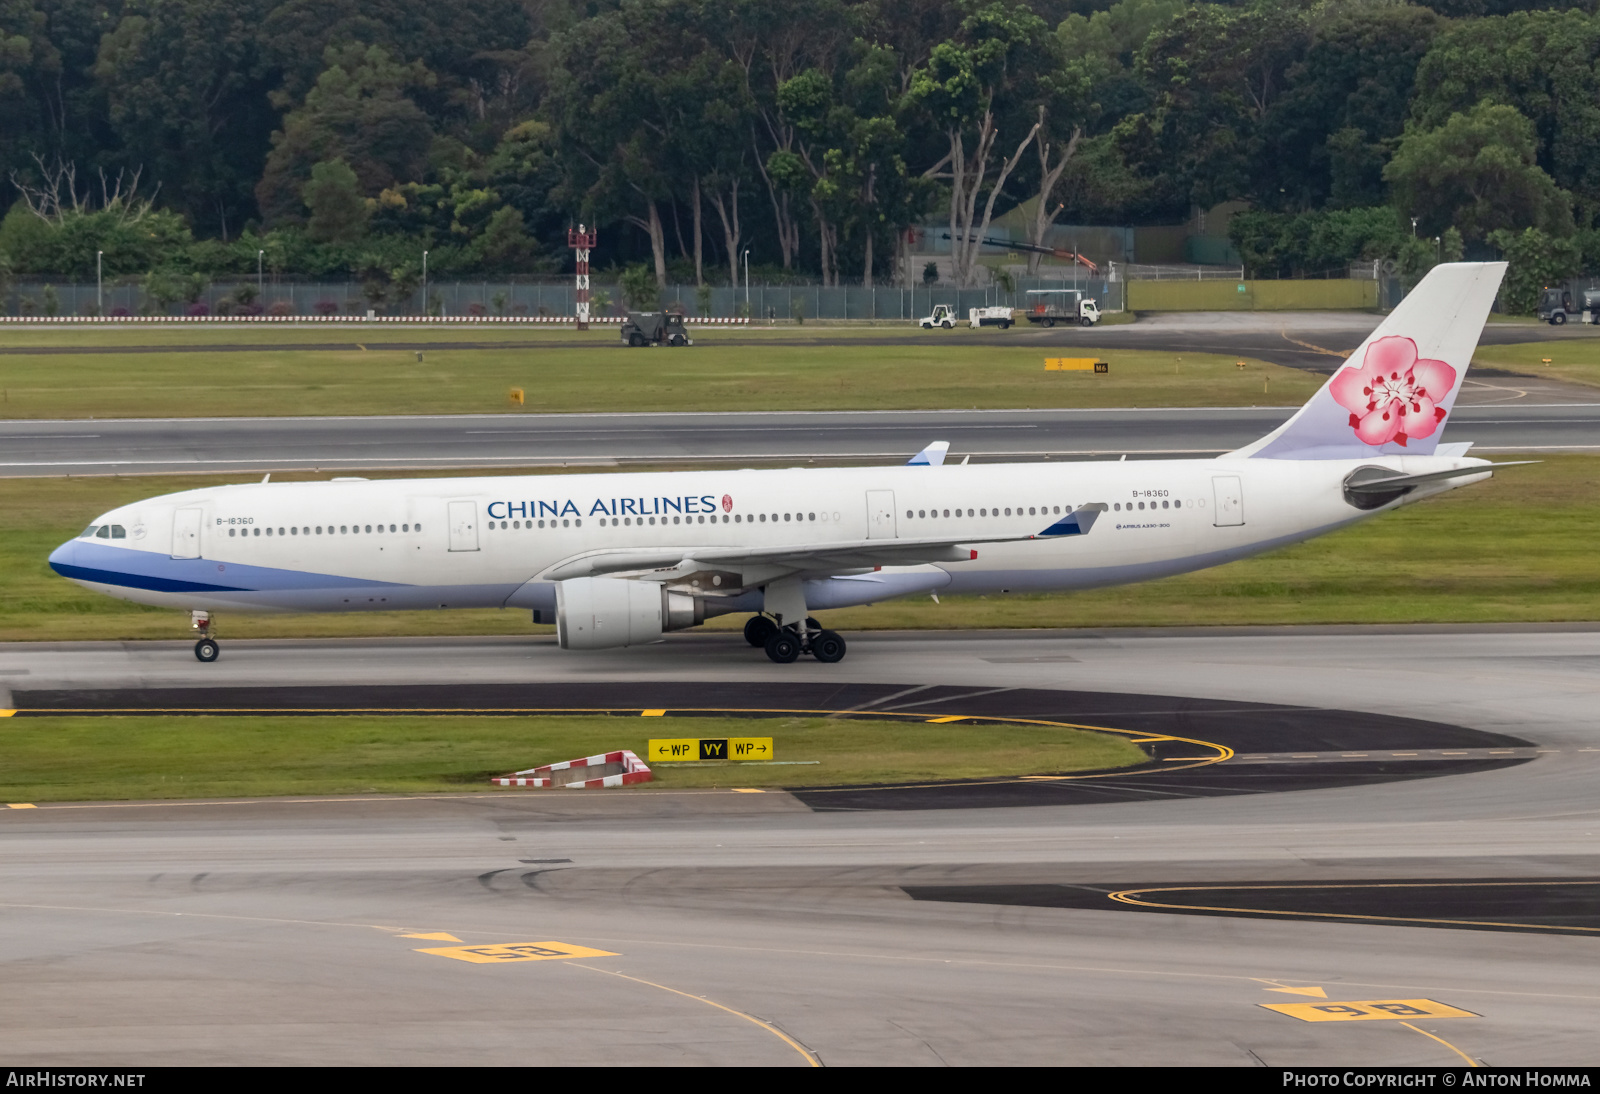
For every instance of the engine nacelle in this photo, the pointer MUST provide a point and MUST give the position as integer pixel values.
(599, 613)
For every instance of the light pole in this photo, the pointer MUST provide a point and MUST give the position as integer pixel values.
(261, 285)
(99, 284)
(424, 284)
(1413, 227)
(747, 282)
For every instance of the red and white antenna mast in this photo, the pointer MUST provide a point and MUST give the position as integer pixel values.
(582, 242)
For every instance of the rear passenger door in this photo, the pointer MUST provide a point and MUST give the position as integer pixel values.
(1229, 495)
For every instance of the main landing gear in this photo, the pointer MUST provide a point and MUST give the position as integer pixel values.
(785, 644)
(206, 649)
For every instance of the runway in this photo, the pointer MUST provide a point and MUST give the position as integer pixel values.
(339, 445)
(723, 927)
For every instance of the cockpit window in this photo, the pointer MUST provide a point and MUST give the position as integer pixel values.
(118, 532)
(104, 532)
(89, 531)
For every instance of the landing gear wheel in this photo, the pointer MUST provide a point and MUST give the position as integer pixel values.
(206, 650)
(784, 646)
(757, 629)
(828, 647)
(1086, 322)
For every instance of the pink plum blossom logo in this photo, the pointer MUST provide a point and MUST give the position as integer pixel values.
(1394, 395)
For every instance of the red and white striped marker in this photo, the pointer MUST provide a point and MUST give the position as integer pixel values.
(539, 778)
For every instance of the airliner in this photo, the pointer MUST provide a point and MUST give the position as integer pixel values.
(617, 560)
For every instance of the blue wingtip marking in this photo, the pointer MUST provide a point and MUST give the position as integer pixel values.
(1063, 528)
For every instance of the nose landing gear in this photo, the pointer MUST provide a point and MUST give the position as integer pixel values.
(205, 650)
(784, 645)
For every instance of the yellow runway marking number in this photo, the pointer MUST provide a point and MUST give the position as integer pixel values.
(507, 952)
(1393, 1010)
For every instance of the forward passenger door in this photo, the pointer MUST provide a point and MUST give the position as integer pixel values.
(186, 533)
(463, 526)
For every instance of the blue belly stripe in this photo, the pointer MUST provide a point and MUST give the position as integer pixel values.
(140, 581)
(130, 568)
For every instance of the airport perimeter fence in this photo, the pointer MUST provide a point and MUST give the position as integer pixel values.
(537, 299)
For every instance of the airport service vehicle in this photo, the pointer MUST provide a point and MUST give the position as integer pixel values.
(943, 315)
(1051, 306)
(618, 560)
(655, 328)
(990, 317)
(1555, 306)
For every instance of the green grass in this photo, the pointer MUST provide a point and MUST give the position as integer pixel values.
(1520, 547)
(1575, 361)
(78, 758)
(568, 371)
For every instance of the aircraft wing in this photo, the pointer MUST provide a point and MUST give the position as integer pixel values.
(669, 564)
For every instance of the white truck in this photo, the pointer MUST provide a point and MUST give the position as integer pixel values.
(990, 317)
(1047, 307)
(943, 315)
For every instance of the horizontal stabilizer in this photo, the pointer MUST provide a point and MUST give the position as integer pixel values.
(932, 456)
(1377, 480)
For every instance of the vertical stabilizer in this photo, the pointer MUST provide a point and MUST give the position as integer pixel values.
(1394, 394)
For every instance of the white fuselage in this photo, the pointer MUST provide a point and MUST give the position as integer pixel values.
(491, 541)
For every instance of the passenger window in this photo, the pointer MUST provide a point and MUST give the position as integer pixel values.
(230, 533)
(1177, 505)
(344, 530)
(764, 517)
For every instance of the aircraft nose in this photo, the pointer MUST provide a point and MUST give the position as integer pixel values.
(63, 555)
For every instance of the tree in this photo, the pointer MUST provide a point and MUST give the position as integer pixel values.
(1215, 75)
(505, 246)
(971, 82)
(1546, 64)
(617, 107)
(1477, 172)
(465, 43)
(186, 90)
(1328, 136)
(1536, 259)
(338, 211)
(639, 289)
(359, 112)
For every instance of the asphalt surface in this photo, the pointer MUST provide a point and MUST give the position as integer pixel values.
(261, 445)
(757, 929)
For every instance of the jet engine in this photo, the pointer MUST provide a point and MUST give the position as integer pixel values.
(598, 613)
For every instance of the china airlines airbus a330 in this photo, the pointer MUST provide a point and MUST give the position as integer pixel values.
(619, 559)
